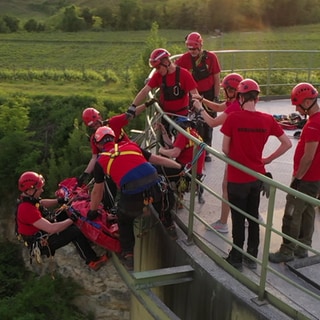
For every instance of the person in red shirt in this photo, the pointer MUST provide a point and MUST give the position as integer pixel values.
(245, 134)
(299, 215)
(205, 69)
(175, 84)
(182, 150)
(93, 120)
(40, 233)
(231, 104)
(138, 183)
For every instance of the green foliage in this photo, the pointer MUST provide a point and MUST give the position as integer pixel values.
(16, 144)
(142, 68)
(24, 296)
(12, 271)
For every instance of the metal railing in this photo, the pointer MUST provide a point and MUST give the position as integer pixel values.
(277, 71)
(260, 287)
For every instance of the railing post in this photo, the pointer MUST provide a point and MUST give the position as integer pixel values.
(267, 241)
(192, 197)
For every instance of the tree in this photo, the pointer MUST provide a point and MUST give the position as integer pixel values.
(12, 23)
(71, 22)
(142, 68)
(31, 25)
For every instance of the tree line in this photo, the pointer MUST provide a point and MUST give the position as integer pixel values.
(202, 15)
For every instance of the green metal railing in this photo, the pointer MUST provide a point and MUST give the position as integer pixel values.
(261, 288)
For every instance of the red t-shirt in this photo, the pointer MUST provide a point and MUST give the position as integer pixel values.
(232, 106)
(310, 133)
(187, 83)
(249, 132)
(116, 123)
(186, 147)
(213, 66)
(27, 214)
(130, 165)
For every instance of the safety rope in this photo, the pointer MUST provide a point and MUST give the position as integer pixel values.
(189, 165)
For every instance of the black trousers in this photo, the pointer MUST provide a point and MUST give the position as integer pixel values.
(245, 196)
(74, 235)
(131, 206)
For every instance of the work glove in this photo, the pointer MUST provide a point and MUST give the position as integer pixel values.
(150, 102)
(62, 201)
(131, 111)
(265, 188)
(295, 184)
(82, 178)
(75, 215)
(92, 214)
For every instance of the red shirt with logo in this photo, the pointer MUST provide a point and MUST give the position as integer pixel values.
(249, 132)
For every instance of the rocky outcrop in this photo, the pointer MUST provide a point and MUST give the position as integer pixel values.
(104, 294)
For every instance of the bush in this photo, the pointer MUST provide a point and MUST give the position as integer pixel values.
(26, 297)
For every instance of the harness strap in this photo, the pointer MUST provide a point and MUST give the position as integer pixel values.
(196, 135)
(117, 153)
(146, 180)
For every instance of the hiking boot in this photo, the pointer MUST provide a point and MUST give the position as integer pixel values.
(172, 232)
(95, 265)
(219, 226)
(235, 264)
(250, 264)
(127, 260)
(278, 257)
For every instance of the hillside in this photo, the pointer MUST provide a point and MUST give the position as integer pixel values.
(40, 9)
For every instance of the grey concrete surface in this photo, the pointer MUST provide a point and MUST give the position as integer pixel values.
(281, 169)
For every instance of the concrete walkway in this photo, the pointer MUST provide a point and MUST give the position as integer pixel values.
(281, 169)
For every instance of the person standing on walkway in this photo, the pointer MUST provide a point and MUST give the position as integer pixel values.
(299, 215)
(205, 69)
(229, 84)
(245, 135)
(175, 83)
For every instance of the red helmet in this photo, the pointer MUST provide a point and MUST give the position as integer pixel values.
(231, 80)
(30, 180)
(157, 55)
(303, 91)
(247, 85)
(194, 40)
(102, 132)
(90, 116)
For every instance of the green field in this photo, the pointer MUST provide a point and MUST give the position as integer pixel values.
(100, 52)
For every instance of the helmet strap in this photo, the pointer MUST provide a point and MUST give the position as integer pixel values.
(306, 110)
